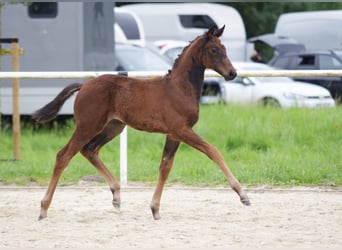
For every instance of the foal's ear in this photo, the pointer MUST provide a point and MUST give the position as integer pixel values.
(219, 32)
(214, 32)
(211, 32)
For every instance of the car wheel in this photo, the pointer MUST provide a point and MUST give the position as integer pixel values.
(270, 102)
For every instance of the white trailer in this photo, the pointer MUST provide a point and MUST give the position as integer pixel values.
(56, 36)
(185, 21)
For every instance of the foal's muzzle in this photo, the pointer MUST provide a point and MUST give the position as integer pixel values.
(231, 75)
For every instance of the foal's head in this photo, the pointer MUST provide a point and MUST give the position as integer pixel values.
(214, 55)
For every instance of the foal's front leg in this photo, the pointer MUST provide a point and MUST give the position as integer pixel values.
(191, 138)
(169, 152)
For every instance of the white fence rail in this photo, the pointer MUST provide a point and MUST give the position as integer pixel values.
(147, 74)
(144, 74)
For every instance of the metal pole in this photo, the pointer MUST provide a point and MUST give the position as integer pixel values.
(123, 157)
(16, 112)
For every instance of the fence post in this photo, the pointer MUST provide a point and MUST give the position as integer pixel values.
(15, 93)
(123, 157)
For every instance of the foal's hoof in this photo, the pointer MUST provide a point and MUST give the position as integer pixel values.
(155, 214)
(246, 202)
(116, 204)
(41, 217)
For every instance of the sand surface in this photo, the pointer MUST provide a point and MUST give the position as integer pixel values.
(82, 216)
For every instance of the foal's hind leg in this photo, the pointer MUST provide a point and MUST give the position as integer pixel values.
(169, 152)
(192, 139)
(91, 151)
(62, 160)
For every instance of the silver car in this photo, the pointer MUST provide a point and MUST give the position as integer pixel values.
(277, 91)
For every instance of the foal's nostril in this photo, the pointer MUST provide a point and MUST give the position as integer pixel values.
(232, 74)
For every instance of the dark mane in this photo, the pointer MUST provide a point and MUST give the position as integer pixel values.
(175, 64)
(204, 39)
(181, 54)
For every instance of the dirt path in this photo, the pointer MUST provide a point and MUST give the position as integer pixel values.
(191, 217)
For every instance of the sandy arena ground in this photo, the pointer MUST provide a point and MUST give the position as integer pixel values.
(82, 216)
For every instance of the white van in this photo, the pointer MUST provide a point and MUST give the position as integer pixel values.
(185, 21)
(315, 29)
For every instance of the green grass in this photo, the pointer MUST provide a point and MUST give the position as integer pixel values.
(265, 146)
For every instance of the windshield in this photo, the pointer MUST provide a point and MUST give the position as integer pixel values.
(141, 59)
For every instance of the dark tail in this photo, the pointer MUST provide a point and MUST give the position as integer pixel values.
(50, 110)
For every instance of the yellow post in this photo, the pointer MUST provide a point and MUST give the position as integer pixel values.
(15, 93)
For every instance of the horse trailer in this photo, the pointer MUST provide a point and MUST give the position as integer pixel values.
(58, 36)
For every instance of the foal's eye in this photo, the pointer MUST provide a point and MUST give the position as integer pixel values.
(213, 50)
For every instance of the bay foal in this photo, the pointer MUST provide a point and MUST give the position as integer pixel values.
(167, 105)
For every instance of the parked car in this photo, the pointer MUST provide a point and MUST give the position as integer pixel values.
(290, 54)
(277, 91)
(212, 91)
(314, 60)
(136, 58)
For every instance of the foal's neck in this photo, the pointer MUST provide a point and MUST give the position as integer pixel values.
(189, 66)
(196, 78)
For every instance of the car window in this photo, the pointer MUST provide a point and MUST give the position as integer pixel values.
(128, 25)
(43, 10)
(306, 62)
(329, 62)
(197, 21)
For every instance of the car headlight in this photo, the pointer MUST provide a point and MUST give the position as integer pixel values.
(293, 96)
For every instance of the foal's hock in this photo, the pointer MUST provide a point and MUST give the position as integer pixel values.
(167, 105)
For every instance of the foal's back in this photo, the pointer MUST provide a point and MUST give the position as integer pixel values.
(146, 104)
